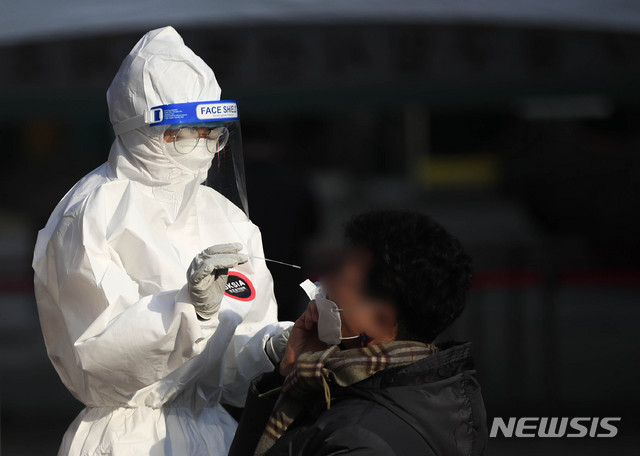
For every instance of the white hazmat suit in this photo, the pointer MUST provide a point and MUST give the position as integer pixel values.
(110, 282)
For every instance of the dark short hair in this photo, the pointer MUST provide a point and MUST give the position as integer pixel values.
(417, 265)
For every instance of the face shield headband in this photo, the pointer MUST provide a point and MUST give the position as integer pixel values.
(181, 113)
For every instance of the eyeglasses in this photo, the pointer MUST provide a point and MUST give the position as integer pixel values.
(186, 139)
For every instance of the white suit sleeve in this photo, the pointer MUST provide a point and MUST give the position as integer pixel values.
(118, 336)
(246, 359)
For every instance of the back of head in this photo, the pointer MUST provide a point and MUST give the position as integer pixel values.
(417, 265)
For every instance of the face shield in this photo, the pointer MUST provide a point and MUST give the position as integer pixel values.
(201, 137)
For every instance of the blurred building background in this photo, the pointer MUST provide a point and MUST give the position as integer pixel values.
(514, 124)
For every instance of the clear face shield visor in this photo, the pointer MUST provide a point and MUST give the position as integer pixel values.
(206, 136)
(226, 174)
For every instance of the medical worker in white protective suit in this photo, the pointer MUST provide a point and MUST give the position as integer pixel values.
(153, 305)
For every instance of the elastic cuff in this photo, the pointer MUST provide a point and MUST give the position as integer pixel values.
(270, 351)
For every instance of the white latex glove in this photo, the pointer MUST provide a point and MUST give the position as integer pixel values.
(207, 276)
(276, 346)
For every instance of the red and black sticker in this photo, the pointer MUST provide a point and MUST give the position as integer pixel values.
(239, 287)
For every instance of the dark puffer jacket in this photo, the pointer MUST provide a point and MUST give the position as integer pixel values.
(431, 407)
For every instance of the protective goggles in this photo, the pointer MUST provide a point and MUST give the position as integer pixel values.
(185, 139)
(181, 113)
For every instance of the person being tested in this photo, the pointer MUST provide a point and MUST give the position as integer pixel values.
(154, 300)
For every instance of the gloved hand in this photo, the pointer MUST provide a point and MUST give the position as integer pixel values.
(207, 276)
(276, 346)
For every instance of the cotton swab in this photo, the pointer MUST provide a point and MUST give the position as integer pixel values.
(276, 261)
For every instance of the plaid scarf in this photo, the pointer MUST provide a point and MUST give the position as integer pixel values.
(315, 372)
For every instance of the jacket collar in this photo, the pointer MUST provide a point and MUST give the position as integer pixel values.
(451, 358)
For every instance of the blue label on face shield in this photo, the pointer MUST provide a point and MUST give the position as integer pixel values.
(181, 113)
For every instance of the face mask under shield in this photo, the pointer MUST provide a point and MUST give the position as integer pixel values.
(202, 137)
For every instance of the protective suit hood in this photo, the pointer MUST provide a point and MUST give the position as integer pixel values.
(159, 70)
